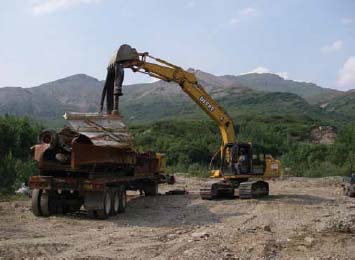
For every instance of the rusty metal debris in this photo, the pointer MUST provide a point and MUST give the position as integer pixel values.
(103, 130)
(90, 139)
(177, 192)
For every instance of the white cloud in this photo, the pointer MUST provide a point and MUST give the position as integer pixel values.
(346, 20)
(333, 47)
(39, 7)
(261, 70)
(346, 75)
(249, 11)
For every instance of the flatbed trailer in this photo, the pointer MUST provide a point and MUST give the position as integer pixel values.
(76, 171)
(61, 189)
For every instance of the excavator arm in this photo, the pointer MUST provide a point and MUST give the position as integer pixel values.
(188, 82)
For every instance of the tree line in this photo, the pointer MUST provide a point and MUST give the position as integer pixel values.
(189, 146)
(17, 135)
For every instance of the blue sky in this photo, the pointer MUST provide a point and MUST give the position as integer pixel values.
(313, 41)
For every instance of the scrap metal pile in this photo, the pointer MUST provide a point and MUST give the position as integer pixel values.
(89, 138)
(103, 130)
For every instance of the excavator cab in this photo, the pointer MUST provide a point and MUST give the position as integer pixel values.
(236, 159)
(243, 159)
(241, 162)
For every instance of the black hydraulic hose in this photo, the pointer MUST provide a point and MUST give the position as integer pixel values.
(104, 90)
(119, 77)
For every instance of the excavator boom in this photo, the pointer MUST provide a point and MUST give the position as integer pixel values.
(189, 84)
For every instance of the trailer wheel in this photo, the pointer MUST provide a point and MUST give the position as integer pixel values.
(46, 204)
(115, 202)
(91, 214)
(36, 207)
(151, 188)
(122, 199)
(106, 209)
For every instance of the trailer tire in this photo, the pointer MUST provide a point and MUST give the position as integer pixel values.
(115, 202)
(91, 214)
(151, 188)
(106, 207)
(46, 204)
(36, 207)
(122, 199)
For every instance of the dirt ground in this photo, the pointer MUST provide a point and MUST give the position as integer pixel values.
(302, 219)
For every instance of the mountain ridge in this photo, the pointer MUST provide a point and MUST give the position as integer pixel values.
(162, 100)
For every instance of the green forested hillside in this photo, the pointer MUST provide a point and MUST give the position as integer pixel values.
(189, 145)
(17, 135)
(344, 104)
(161, 100)
(156, 108)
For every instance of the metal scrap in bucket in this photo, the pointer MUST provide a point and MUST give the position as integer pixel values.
(103, 130)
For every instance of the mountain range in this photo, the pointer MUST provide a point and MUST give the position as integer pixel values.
(249, 94)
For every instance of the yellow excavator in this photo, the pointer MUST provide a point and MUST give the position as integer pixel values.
(243, 167)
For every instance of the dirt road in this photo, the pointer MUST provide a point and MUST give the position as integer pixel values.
(303, 218)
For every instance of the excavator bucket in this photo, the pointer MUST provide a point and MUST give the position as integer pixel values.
(124, 53)
(103, 130)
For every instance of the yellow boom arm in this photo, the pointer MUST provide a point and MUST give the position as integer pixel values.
(169, 72)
